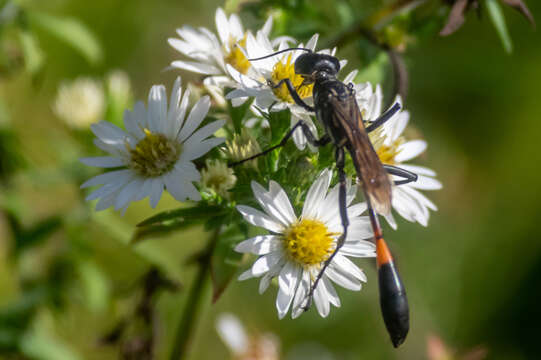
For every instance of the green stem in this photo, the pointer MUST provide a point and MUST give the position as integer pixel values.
(187, 324)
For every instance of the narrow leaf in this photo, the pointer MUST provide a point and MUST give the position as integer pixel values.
(496, 16)
(202, 211)
(158, 230)
(33, 55)
(72, 32)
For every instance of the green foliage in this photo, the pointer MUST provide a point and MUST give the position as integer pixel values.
(495, 14)
(174, 220)
(71, 31)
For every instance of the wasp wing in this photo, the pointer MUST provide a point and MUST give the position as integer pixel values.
(377, 185)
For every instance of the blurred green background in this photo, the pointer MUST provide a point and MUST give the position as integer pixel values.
(473, 276)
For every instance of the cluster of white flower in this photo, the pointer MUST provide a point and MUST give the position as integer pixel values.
(161, 144)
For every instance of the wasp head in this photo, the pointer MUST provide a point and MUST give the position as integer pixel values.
(314, 66)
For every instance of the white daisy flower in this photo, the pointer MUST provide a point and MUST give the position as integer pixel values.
(209, 53)
(297, 247)
(271, 71)
(393, 149)
(246, 346)
(80, 103)
(155, 152)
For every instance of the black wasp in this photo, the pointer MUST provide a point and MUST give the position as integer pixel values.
(337, 111)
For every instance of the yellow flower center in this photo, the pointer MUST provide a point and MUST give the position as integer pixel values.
(154, 155)
(287, 71)
(308, 242)
(236, 57)
(388, 153)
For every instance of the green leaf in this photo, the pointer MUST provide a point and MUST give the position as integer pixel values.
(225, 262)
(34, 235)
(498, 20)
(200, 211)
(238, 113)
(95, 285)
(72, 32)
(158, 230)
(41, 346)
(33, 55)
(280, 122)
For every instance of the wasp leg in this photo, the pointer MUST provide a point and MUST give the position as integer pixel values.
(325, 139)
(383, 118)
(406, 174)
(294, 94)
(340, 163)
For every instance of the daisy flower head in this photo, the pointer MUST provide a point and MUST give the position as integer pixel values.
(267, 73)
(80, 103)
(297, 247)
(155, 152)
(209, 54)
(393, 149)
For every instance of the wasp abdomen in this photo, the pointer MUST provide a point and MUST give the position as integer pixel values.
(393, 300)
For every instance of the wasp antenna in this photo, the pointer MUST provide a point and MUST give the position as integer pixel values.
(279, 52)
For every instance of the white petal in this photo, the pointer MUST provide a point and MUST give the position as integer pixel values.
(193, 151)
(232, 333)
(131, 123)
(321, 301)
(259, 245)
(391, 221)
(191, 191)
(156, 190)
(265, 263)
(300, 299)
(284, 299)
(426, 183)
(316, 194)
(222, 25)
(109, 133)
(204, 132)
(173, 111)
(271, 274)
(419, 170)
(343, 279)
(174, 185)
(258, 218)
(348, 266)
(197, 115)
(359, 249)
(117, 176)
(289, 277)
(196, 67)
(127, 194)
(410, 150)
(107, 190)
(235, 27)
(157, 109)
(103, 161)
(272, 204)
(331, 292)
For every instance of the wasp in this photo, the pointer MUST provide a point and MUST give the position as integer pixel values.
(336, 109)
